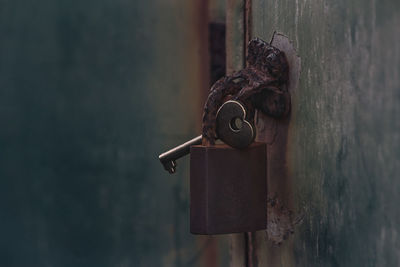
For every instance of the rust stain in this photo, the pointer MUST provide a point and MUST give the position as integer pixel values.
(261, 85)
(281, 221)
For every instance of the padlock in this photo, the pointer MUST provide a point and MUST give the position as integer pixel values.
(228, 182)
(228, 189)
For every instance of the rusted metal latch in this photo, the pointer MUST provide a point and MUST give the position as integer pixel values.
(231, 104)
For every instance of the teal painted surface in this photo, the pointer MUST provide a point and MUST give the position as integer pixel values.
(90, 93)
(344, 141)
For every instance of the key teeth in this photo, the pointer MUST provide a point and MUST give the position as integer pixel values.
(170, 166)
(172, 170)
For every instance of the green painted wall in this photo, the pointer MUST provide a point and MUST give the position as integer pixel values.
(90, 93)
(344, 140)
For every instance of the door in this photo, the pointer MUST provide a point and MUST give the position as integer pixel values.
(343, 147)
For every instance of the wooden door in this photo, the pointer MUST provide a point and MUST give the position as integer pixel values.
(343, 141)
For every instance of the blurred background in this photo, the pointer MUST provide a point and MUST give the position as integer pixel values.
(91, 92)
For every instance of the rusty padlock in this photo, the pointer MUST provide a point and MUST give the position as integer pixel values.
(228, 182)
(228, 190)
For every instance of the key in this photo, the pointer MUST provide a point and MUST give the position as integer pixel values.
(168, 159)
(232, 128)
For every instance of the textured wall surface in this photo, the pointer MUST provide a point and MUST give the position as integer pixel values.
(90, 93)
(344, 142)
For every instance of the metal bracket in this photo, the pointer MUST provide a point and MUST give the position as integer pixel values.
(261, 85)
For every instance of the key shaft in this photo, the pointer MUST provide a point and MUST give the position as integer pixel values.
(168, 159)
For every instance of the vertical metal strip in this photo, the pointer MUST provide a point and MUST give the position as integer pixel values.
(247, 27)
(204, 69)
(235, 29)
(207, 246)
(237, 34)
(250, 247)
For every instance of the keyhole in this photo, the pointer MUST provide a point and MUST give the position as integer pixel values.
(236, 124)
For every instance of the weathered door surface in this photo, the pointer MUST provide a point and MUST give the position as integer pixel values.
(343, 143)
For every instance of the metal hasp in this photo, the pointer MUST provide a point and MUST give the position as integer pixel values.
(228, 190)
(262, 86)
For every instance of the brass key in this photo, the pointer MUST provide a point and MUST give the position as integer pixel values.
(232, 128)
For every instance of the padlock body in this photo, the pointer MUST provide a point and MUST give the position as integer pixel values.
(228, 189)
